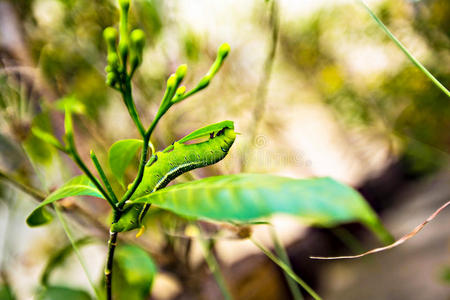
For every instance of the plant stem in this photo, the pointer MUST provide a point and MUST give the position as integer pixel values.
(404, 50)
(117, 213)
(112, 243)
(129, 103)
(281, 252)
(215, 269)
(76, 157)
(261, 92)
(23, 187)
(142, 162)
(286, 269)
(76, 250)
(103, 177)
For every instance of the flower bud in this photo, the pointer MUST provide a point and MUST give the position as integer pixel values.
(204, 82)
(137, 38)
(223, 51)
(180, 91)
(110, 36)
(181, 72)
(171, 81)
(113, 60)
(111, 79)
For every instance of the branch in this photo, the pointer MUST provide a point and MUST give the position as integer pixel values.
(393, 245)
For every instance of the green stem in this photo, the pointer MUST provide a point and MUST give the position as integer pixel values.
(404, 50)
(23, 187)
(94, 180)
(129, 103)
(75, 249)
(215, 269)
(261, 92)
(112, 243)
(286, 269)
(142, 162)
(281, 252)
(103, 177)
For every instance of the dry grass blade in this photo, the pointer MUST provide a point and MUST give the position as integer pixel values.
(393, 245)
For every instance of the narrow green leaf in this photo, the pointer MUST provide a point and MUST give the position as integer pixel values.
(135, 273)
(77, 186)
(62, 292)
(120, 156)
(47, 137)
(245, 197)
(404, 50)
(207, 130)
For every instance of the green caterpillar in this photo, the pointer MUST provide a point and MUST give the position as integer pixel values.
(177, 159)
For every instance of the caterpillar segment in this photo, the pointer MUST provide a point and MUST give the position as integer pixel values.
(163, 167)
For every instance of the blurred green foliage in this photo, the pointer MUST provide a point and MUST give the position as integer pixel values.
(62, 292)
(6, 293)
(135, 272)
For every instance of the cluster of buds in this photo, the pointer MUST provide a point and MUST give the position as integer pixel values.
(128, 50)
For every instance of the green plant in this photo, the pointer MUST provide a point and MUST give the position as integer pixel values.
(238, 199)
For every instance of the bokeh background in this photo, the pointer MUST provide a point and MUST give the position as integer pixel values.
(315, 87)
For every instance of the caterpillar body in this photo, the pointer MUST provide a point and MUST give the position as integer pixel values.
(163, 167)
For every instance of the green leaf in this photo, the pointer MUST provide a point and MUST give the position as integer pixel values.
(61, 292)
(47, 137)
(39, 152)
(136, 273)
(6, 292)
(245, 197)
(120, 155)
(77, 186)
(207, 130)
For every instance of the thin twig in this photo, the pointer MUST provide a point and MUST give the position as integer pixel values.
(214, 267)
(23, 187)
(281, 252)
(393, 245)
(261, 92)
(76, 250)
(286, 269)
(404, 50)
(103, 176)
(76, 157)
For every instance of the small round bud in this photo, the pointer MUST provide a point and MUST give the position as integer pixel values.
(204, 82)
(171, 81)
(113, 60)
(124, 4)
(111, 79)
(181, 90)
(108, 69)
(111, 75)
(223, 51)
(137, 37)
(181, 71)
(110, 36)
